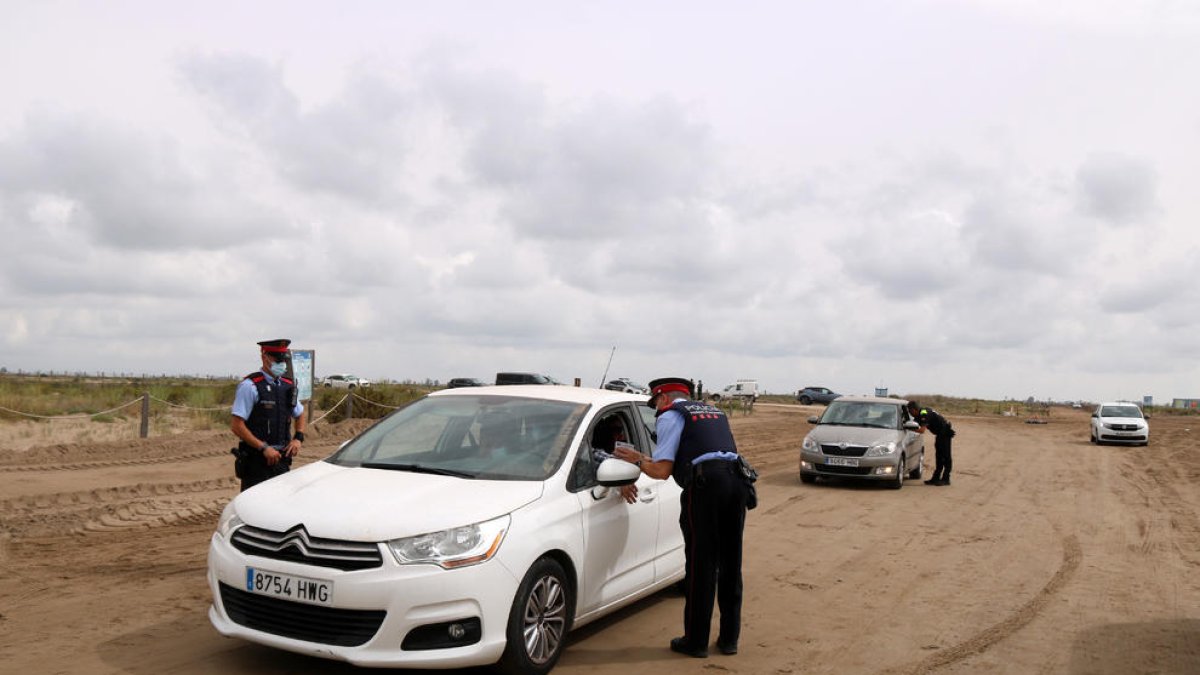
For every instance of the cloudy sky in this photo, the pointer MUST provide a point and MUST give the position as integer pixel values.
(977, 198)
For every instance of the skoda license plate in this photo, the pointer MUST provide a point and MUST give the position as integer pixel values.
(841, 461)
(288, 587)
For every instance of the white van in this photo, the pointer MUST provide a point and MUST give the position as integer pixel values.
(743, 389)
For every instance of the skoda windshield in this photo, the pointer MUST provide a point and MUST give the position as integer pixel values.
(862, 414)
(484, 437)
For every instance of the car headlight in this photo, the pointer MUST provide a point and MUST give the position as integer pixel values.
(229, 521)
(456, 547)
(881, 450)
(810, 445)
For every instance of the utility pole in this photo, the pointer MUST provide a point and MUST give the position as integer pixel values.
(604, 377)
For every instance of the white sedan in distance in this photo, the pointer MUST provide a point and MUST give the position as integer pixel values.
(1120, 422)
(475, 526)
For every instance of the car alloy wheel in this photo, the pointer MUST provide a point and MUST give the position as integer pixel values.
(804, 400)
(916, 473)
(899, 481)
(539, 620)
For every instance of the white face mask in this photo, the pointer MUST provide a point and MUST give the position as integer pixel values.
(278, 368)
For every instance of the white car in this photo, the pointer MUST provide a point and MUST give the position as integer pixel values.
(627, 385)
(474, 526)
(1120, 422)
(346, 381)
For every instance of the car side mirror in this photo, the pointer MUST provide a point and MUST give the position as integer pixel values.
(814, 419)
(911, 425)
(1146, 415)
(615, 472)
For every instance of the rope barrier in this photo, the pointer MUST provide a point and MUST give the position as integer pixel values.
(367, 400)
(187, 407)
(71, 417)
(328, 412)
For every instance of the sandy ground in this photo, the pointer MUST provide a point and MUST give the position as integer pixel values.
(1047, 555)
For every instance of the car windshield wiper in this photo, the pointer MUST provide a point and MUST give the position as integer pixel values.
(417, 468)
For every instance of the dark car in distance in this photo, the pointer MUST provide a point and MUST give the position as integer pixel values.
(810, 395)
(524, 378)
(457, 382)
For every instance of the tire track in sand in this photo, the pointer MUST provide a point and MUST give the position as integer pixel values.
(107, 509)
(981, 642)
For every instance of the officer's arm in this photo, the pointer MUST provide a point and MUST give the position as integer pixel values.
(659, 470)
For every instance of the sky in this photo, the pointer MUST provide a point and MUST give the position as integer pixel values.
(978, 198)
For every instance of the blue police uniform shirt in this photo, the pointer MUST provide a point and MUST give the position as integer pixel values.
(669, 427)
(246, 397)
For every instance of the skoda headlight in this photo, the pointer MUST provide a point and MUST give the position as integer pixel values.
(810, 445)
(229, 521)
(881, 450)
(456, 547)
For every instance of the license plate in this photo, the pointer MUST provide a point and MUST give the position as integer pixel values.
(300, 589)
(841, 461)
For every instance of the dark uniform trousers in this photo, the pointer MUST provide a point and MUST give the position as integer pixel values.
(256, 470)
(712, 517)
(941, 454)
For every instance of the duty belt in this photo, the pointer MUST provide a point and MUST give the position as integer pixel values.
(714, 465)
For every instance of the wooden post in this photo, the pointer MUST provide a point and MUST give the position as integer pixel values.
(350, 406)
(145, 431)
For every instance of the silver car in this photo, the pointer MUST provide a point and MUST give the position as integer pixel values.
(863, 437)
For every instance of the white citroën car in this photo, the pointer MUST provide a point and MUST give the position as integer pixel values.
(474, 526)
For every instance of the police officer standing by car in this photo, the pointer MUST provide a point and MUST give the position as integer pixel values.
(696, 448)
(942, 432)
(264, 406)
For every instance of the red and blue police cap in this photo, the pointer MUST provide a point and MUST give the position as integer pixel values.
(279, 346)
(665, 385)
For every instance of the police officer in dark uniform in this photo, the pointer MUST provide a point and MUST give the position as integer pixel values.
(696, 448)
(942, 432)
(264, 406)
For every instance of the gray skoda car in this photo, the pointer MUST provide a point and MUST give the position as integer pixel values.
(863, 437)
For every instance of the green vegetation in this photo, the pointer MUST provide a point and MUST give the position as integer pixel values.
(207, 400)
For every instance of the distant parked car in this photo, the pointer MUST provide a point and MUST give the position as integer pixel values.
(810, 395)
(457, 382)
(626, 385)
(524, 378)
(1120, 422)
(345, 381)
(864, 437)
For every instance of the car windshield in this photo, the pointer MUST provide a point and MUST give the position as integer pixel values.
(862, 414)
(488, 437)
(1120, 411)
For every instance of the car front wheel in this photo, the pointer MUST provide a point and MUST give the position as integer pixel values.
(898, 482)
(539, 620)
(804, 400)
(807, 478)
(916, 473)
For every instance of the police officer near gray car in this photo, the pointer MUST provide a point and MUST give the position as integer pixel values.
(696, 448)
(942, 432)
(264, 406)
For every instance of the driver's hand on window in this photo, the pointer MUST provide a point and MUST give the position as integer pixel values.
(629, 493)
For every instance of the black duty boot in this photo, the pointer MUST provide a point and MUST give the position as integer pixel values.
(680, 646)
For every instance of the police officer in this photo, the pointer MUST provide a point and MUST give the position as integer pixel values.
(264, 406)
(942, 432)
(696, 448)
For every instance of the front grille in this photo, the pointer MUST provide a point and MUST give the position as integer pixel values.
(297, 546)
(845, 470)
(1110, 437)
(848, 451)
(1125, 427)
(296, 620)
